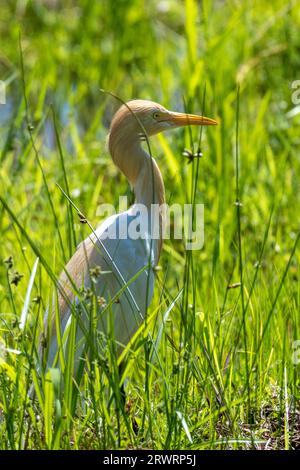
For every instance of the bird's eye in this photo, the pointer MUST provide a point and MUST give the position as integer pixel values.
(155, 115)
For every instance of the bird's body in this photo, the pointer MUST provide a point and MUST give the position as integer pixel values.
(129, 257)
(123, 263)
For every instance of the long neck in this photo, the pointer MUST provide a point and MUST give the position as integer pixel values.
(149, 190)
(149, 186)
(144, 175)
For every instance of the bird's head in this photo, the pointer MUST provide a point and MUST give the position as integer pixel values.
(139, 117)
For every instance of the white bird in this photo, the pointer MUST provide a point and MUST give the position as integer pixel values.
(119, 268)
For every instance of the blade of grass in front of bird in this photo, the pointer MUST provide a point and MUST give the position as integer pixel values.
(69, 369)
(162, 326)
(48, 409)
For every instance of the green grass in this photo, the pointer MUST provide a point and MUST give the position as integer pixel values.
(223, 319)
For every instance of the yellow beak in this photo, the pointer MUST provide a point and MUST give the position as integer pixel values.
(183, 119)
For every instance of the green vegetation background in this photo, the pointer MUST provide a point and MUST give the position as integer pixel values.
(225, 374)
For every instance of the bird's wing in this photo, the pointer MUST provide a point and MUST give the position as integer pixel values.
(74, 276)
(125, 255)
(76, 273)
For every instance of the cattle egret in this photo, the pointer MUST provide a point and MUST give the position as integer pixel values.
(118, 269)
